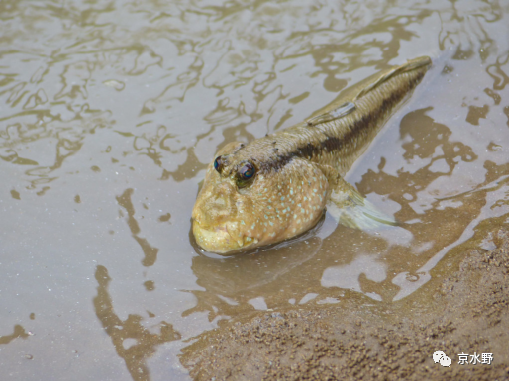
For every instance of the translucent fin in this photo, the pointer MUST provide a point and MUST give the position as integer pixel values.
(408, 66)
(341, 111)
(349, 208)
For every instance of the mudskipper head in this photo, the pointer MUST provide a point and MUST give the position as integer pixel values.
(253, 197)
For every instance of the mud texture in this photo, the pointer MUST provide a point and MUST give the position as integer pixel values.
(466, 311)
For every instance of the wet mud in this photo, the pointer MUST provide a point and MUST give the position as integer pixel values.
(466, 312)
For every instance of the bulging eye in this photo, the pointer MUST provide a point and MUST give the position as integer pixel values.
(247, 171)
(218, 164)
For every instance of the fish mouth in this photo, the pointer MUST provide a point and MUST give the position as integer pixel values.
(218, 239)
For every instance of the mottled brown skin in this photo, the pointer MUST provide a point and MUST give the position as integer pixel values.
(296, 170)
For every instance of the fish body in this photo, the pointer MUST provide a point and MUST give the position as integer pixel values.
(278, 187)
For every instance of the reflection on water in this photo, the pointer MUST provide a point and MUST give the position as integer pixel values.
(149, 251)
(133, 342)
(236, 280)
(19, 332)
(350, 276)
(110, 111)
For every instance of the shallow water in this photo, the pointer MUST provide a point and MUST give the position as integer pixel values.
(110, 111)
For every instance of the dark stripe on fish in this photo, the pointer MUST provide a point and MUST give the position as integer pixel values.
(331, 143)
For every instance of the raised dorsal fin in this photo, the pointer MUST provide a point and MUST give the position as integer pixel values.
(348, 107)
(341, 111)
(407, 66)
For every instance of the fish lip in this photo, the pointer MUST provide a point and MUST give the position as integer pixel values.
(217, 239)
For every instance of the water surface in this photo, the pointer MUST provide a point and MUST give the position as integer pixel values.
(110, 111)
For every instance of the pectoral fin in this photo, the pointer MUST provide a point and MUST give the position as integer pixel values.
(350, 208)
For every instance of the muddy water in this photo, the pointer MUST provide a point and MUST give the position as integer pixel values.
(110, 110)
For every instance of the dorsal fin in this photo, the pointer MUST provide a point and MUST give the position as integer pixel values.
(348, 107)
(407, 66)
(341, 111)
